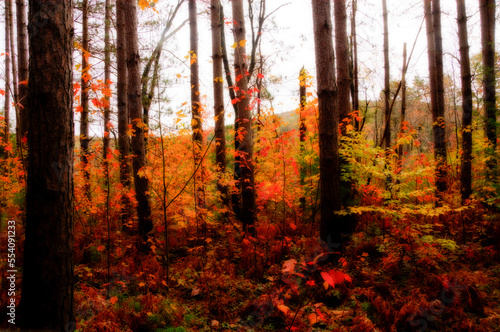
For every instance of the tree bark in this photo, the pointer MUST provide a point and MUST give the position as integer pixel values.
(13, 59)
(387, 84)
(107, 79)
(123, 113)
(466, 157)
(7, 76)
(136, 117)
(84, 99)
(47, 289)
(196, 120)
(22, 56)
(342, 50)
(245, 150)
(219, 114)
(354, 55)
(302, 133)
(487, 13)
(435, 54)
(403, 109)
(330, 232)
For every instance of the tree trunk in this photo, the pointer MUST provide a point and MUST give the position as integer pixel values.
(403, 109)
(245, 150)
(487, 13)
(435, 54)
(7, 77)
(342, 50)
(196, 121)
(330, 232)
(22, 56)
(354, 55)
(220, 134)
(302, 133)
(107, 79)
(13, 59)
(235, 196)
(47, 289)
(466, 157)
(136, 116)
(387, 76)
(123, 114)
(84, 99)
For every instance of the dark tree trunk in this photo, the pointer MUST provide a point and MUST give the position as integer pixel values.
(487, 13)
(123, 114)
(13, 59)
(342, 50)
(245, 149)
(107, 78)
(435, 51)
(330, 230)
(302, 132)
(387, 76)
(84, 99)
(235, 196)
(196, 121)
(136, 117)
(47, 289)
(220, 135)
(466, 157)
(22, 56)
(403, 109)
(354, 56)
(7, 76)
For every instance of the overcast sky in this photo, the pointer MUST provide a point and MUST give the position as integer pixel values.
(288, 45)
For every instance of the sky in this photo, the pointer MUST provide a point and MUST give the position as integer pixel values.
(287, 44)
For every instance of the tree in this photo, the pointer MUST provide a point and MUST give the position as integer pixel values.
(466, 157)
(354, 61)
(487, 13)
(84, 98)
(328, 124)
(47, 289)
(303, 131)
(245, 149)
(107, 78)
(218, 83)
(387, 86)
(196, 121)
(13, 60)
(22, 64)
(435, 56)
(141, 182)
(123, 114)
(7, 75)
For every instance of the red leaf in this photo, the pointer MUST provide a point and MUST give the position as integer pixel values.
(289, 266)
(113, 300)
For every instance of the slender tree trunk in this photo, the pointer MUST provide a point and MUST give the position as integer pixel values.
(387, 77)
(466, 157)
(343, 85)
(13, 59)
(245, 150)
(84, 99)
(403, 109)
(302, 133)
(107, 79)
(7, 76)
(220, 134)
(123, 113)
(330, 225)
(22, 55)
(354, 54)
(235, 195)
(435, 52)
(136, 116)
(487, 13)
(342, 50)
(196, 121)
(47, 289)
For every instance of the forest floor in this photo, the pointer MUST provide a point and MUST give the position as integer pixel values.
(410, 273)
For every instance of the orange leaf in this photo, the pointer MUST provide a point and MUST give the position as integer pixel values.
(2, 92)
(101, 248)
(25, 82)
(289, 265)
(113, 300)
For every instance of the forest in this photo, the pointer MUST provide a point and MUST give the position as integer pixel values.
(231, 165)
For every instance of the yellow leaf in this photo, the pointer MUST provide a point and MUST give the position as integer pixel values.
(234, 45)
(143, 4)
(243, 43)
